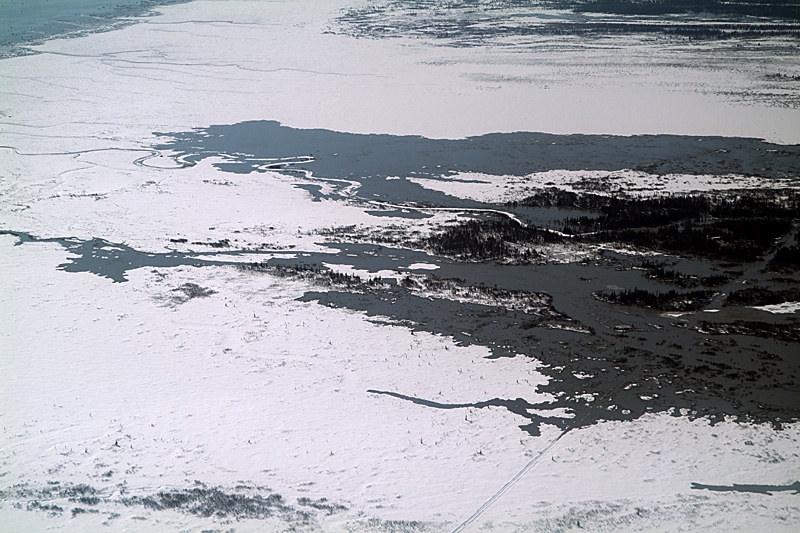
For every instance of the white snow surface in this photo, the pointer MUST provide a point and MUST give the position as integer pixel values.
(784, 308)
(490, 188)
(422, 266)
(249, 385)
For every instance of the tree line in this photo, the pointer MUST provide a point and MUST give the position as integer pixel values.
(671, 300)
(654, 270)
(737, 226)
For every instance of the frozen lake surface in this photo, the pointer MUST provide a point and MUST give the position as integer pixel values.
(24, 23)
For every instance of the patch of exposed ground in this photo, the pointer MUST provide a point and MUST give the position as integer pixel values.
(219, 503)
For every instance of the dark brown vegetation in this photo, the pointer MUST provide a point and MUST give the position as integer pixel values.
(737, 227)
(734, 226)
(663, 301)
(753, 8)
(755, 296)
(208, 502)
(193, 290)
(313, 272)
(657, 271)
(785, 332)
(786, 258)
(222, 243)
(496, 239)
(243, 502)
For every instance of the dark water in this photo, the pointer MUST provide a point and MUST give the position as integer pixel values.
(758, 489)
(636, 360)
(24, 22)
(379, 164)
(114, 260)
(603, 361)
(253, 146)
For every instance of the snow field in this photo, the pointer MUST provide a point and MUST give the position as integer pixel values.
(110, 196)
(121, 386)
(244, 385)
(501, 189)
(132, 390)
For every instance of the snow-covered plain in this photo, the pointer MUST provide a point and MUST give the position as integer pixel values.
(134, 388)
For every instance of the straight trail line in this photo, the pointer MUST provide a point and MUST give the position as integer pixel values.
(509, 484)
(505, 488)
